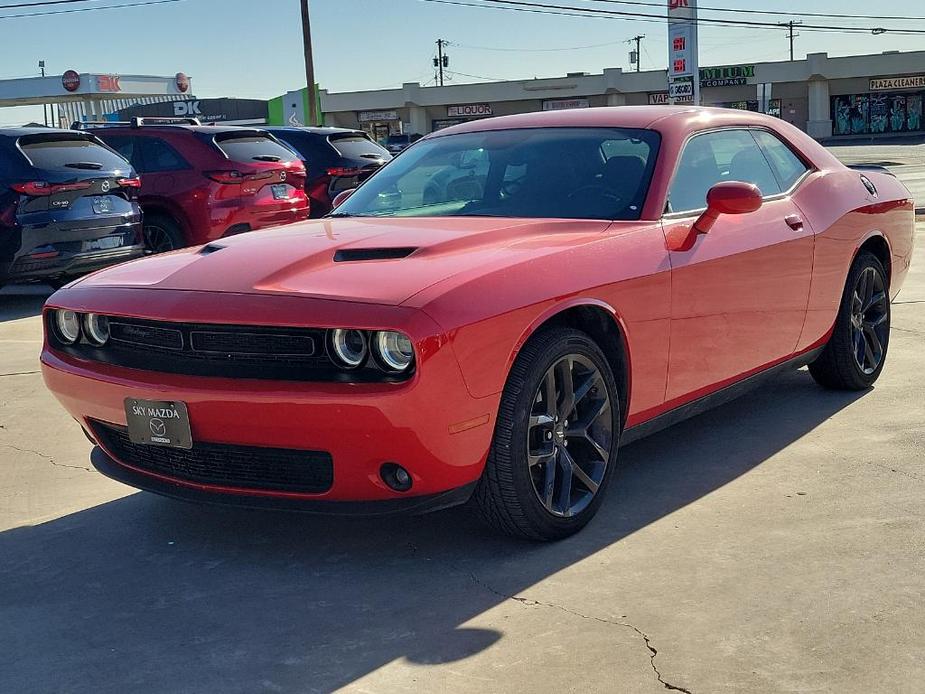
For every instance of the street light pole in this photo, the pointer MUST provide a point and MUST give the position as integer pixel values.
(309, 66)
(44, 106)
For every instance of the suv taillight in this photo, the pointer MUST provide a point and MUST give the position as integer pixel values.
(343, 171)
(39, 188)
(129, 182)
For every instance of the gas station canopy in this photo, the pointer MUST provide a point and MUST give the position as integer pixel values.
(88, 93)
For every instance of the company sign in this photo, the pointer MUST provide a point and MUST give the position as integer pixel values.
(891, 83)
(373, 116)
(565, 104)
(71, 80)
(728, 76)
(468, 111)
(223, 110)
(108, 83)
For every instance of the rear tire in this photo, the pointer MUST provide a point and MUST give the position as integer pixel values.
(162, 234)
(856, 352)
(534, 485)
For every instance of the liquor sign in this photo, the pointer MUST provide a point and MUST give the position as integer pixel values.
(891, 83)
(564, 104)
(374, 116)
(682, 42)
(468, 111)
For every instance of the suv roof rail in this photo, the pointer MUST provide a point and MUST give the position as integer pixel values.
(136, 122)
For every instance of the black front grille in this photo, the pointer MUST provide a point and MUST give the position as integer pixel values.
(241, 467)
(224, 351)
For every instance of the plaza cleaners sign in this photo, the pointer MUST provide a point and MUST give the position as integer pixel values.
(890, 83)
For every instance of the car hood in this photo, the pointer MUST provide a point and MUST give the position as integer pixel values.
(374, 260)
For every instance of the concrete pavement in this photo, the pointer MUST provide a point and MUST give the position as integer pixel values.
(776, 544)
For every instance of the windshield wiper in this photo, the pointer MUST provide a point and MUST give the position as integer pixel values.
(92, 165)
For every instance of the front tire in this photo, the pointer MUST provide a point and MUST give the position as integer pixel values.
(856, 352)
(556, 438)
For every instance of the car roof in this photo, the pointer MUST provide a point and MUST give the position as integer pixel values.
(667, 117)
(311, 130)
(22, 132)
(171, 127)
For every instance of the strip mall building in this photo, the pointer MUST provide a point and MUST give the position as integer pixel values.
(825, 96)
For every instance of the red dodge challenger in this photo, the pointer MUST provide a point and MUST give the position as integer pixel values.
(487, 318)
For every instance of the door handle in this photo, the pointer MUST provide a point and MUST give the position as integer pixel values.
(794, 221)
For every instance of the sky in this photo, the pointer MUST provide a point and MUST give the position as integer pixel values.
(253, 48)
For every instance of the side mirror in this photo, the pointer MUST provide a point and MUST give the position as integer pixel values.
(728, 197)
(341, 197)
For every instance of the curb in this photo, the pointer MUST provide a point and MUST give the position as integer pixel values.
(920, 213)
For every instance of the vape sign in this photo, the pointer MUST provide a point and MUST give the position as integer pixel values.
(682, 38)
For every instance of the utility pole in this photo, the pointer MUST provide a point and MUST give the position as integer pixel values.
(309, 67)
(790, 31)
(638, 40)
(441, 61)
(44, 106)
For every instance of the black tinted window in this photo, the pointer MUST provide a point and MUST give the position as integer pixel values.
(359, 147)
(561, 173)
(56, 152)
(125, 146)
(708, 159)
(786, 164)
(249, 148)
(157, 156)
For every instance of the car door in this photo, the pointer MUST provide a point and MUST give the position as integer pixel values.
(739, 295)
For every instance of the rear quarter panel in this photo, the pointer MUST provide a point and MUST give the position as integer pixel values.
(490, 312)
(844, 215)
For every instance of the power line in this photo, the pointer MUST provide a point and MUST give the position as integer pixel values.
(85, 9)
(783, 13)
(570, 11)
(535, 50)
(41, 4)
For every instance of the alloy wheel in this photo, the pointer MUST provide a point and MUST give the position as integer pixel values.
(157, 240)
(569, 435)
(870, 311)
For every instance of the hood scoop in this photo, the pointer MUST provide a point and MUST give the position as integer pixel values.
(352, 255)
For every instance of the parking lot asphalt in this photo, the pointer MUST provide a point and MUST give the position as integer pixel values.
(776, 544)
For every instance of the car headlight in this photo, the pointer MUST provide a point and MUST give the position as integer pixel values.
(96, 328)
(67, 325)
(350, 347)
(394, 350)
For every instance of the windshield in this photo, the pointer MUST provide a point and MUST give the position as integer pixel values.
(398, 139)
(565, 173)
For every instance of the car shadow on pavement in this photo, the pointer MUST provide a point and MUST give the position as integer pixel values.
(148, 594)
(22, 301)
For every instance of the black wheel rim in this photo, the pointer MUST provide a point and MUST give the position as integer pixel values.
(157, 239)
(569, 436)
(870, 325)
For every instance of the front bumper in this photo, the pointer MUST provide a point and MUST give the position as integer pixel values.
(204, 494)
(430, 424)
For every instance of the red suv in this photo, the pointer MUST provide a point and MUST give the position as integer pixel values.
(200, 183)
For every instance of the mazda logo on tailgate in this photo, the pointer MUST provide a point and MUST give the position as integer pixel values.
(105, 186)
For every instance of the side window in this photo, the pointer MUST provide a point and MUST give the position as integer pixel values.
(785, 163)
(126, 147)
(708, 159)
(159, 156)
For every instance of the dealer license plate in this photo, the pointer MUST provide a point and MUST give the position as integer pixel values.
(102, 205)
(280, 191)
(158, 423)
(104, 244)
